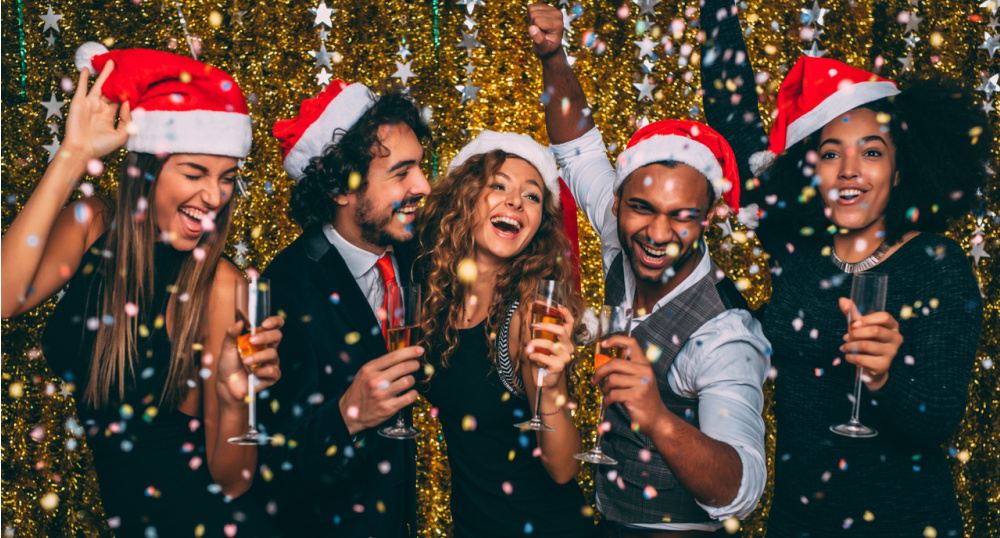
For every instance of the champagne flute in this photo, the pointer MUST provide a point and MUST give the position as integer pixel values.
(611, 320)
(253, 306)
(545, 309)
(402, 329)
(868, 294)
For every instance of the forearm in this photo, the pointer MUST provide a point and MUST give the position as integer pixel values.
(559, 446)
(565, 102)
(23, 246)
(232, 466)
(709, 469)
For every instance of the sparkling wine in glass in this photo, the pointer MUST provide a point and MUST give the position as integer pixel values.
(253, 306)
(545, 309)
(611, 320)
(868, 293)
(402, 322)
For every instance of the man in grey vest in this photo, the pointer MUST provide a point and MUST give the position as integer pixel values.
(685, 409)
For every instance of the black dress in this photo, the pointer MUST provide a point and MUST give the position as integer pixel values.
(151, 461)
(499, 488)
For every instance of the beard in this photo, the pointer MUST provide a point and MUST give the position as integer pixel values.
(375, 227)
(641, 272)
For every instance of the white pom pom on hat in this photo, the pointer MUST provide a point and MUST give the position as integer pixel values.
(85, 53)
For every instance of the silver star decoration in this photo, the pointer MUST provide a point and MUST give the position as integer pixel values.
(814, 51)
(404, 51)
(50, 39)
(403, 72)
(60, 295)
(469, 91)
(242, 248)
(645, 88)
(991, 5)
(907, 61)
(989, 84)
(322, 14)
(323, 34)
(726, 227)
(994, 23)
(469, 23)
(469, 42)
(323, 77)
(978, 251)
(322, 57)
(469, 68)
(236, 17)
(645, 46)
(991, 43)
(53, 107)
(470, 5)
(52, 148)
(568, 19)
(647, 65)
(988, 107)
(912, 23)
(911, 41)
(814, 15)
(53, 128)
(64, 391)
(646, 6)
(51, 20)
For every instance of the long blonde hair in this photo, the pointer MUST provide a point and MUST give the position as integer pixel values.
(127, 276)
(446, 223)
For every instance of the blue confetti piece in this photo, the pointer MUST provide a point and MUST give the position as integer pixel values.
(529, 528)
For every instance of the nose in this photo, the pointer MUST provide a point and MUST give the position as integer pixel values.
(849, 164)
(213, 193)
(660, 230)
(419, 185)
(513, 199)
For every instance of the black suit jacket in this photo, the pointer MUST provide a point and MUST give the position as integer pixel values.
(324, 481)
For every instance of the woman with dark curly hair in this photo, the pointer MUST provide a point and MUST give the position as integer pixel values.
(860, 177)
(490, 231)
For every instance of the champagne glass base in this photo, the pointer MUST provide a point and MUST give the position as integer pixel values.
(856, 430)
(596, 457)
(535, 424)
(251, 438)
(399, 432)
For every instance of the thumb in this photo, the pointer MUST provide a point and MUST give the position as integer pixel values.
(537, 35)
(849, 309)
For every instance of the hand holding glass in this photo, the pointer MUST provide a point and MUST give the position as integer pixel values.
(253, 306)
(545, 309)
(868, 295)
(402, 326)
(611, 320)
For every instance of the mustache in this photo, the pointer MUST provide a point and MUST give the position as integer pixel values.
(413, 200)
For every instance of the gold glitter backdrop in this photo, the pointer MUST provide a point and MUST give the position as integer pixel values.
(49, 487)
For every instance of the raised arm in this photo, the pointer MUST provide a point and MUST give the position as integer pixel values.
(45, 239)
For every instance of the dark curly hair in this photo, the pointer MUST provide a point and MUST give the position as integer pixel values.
(328, 174)
(942, 142)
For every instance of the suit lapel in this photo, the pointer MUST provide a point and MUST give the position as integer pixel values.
(331, 276)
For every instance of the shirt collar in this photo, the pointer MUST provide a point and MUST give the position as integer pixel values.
(358, 260)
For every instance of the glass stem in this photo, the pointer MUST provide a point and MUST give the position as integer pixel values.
(400, 423)
(856, 408)
(600, 430)
(538, 402)
(252, 400)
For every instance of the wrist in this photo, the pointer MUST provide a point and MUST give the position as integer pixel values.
(875, 383)
(352, 425)
(554, 58)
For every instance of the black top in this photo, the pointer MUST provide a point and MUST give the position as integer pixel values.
(151, 461)
(499, 487)
(322, 480)
(826, 484)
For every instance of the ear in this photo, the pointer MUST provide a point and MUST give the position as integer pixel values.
(618, 199)
(343, 199)
(895, 178)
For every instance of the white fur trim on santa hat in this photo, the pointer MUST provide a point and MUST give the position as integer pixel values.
(523, 146)
(671, 148)
(761, 160)
(193, 131)
(749, 216)
(839, 102)
(339, 115)
(85, 53)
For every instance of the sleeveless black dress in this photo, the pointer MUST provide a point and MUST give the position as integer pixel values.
(150, 460)
(499, 487)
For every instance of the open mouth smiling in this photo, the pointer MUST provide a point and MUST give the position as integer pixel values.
(506, 225)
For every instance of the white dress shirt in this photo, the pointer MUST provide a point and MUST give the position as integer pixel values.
(361, 263)
(725, 362)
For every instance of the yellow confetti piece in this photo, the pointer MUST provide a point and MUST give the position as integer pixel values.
(16, 390)
(868, 516)
(906, 312)
(266, 473)
(933, 303)
(354, 181)
(49, 501)
(380, 506)
(143, 331)
(352, 338)
(732, 525)
(653, 353)
(199, 531)
(215, 19)
(469, 423)
(511, 455)
(467, 271)
(277, 439)
(963, 456)
(185, 77)
(332, 451)
(930, 532)
(505, 396)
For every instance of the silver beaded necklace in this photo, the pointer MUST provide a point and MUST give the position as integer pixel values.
(863, 265)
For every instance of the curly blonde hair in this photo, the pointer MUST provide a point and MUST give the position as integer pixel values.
(446, 223)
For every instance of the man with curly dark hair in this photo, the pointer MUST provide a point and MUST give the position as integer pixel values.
(356, 160)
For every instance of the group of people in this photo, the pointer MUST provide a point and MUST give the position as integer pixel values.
(146, 334)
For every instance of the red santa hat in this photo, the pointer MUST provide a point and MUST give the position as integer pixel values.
(178, 104)
(320, 122)
(520, 145)
(694, 144)
(815, 92)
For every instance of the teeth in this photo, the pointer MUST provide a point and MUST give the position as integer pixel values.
(657, 253)
(193, 213)
(407, 209)
(849, 193)
(506, 220)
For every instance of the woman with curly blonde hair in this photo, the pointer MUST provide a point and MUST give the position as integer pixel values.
(491, 230)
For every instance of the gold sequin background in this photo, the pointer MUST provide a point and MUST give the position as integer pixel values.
(49, 487)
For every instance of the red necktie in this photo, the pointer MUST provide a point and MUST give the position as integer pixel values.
(388, 273)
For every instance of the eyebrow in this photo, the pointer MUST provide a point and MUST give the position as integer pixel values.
(533, 181)
(406, 163)
(204, 170)
(643, 201)
(864, 140)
